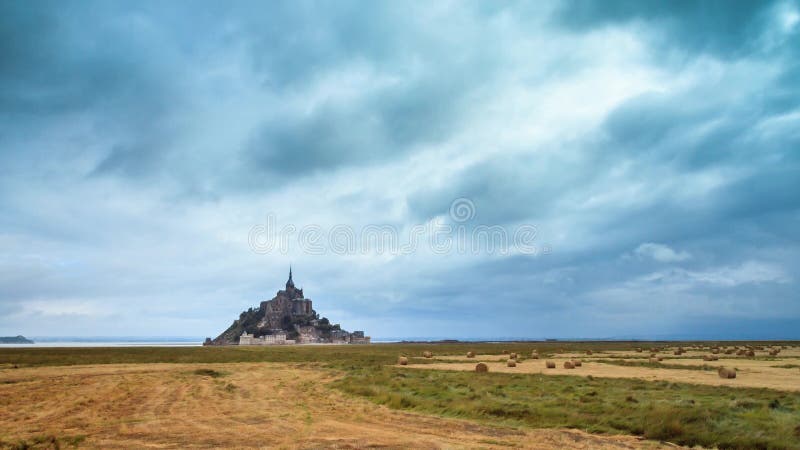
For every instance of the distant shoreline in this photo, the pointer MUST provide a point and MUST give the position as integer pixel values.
(196, 342)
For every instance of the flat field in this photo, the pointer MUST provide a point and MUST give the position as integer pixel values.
(358, 397)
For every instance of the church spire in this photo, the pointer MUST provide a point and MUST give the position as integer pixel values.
(290, 283)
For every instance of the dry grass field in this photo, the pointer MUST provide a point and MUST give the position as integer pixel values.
(358, 397)
(237, 405)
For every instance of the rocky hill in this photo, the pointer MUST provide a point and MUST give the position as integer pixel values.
(252, 322)
(289, 315)
(15, 340)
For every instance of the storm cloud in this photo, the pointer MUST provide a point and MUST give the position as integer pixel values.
(652, 145)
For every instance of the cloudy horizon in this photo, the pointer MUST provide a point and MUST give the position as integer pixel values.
(653, 146)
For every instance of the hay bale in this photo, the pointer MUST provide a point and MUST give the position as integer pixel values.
(569, 365)
(550, 364)
(511, 363)
(427, 354)
(534, 355)
(653, 355)
(470, 354)
(513, 356)
(403, 361)
(505, 352)
(588, 352)
(481, 367)
(751, 354)
(724, 372)
(638, 349)
(577, 363)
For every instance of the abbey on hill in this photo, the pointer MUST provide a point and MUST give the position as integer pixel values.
(288, 318)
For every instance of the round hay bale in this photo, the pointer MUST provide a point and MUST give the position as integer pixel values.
(403, 361)
(724, 372)
(481, 367)
(427, 354)
(569, 365)
(588, 352)
(577, 363)
(513, 356)
(505, 352)
(653, 360)
(511, 363)
(715, 350)
(470, 354)
(550, 364)
(707, 358)
(653, 355)
(534, 355)
(659, 359)
(751, 354)
(638, 350)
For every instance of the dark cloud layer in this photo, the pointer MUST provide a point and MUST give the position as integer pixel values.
(652, 144)
(726, 28)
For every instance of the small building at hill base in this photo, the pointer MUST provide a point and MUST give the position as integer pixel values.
(268, 339)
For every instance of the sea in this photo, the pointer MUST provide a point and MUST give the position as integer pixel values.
(192, 341)
(106, 341)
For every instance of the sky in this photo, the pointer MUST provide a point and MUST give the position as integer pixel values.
(163, 163)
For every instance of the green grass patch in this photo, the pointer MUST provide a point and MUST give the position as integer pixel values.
(340, 356)
(44, 442)
(209, 373)
(685, 414)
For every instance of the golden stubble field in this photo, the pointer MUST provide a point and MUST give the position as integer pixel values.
(754, 373)
(237, 405)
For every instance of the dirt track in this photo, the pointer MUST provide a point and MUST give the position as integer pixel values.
(251, 406)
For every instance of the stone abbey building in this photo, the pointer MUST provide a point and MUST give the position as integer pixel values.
(288, 318)
(286, 303)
